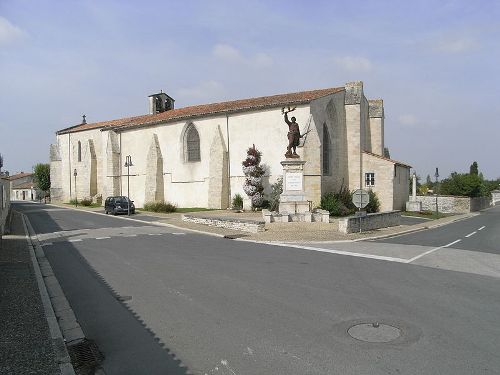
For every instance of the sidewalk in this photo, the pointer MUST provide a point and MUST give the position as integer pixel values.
(26, 345)
(293, 232)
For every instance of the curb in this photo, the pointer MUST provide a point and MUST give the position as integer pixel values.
(62, 355)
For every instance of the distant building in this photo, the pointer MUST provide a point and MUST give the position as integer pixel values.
(192, 156)
(22, 187)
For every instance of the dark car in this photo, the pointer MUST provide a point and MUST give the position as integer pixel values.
(118, 205)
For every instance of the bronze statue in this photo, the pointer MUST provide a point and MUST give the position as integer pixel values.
(293, 134)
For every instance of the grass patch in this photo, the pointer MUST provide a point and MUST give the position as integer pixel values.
(194, 209)
(426, 214)
(83, 203)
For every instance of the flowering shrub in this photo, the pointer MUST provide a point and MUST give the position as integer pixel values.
(253, 172)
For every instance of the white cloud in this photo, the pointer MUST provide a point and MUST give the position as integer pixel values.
(354, 64)
(457, 45)
(408, 120)
(226, 52)
(9, 33)
(263, 60)
(203, 92)
(230, 54)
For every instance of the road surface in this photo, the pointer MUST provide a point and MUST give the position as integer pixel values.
(415, 304)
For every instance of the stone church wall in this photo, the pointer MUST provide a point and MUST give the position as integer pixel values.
(161, 171)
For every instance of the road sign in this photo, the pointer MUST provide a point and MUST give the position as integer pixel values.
(360, 198)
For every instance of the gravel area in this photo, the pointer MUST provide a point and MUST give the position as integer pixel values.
(25, 343)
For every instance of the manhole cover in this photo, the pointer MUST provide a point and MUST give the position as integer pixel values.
(374, 332)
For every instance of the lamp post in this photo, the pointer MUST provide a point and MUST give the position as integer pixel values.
(128, 164)
(75, 173)
(436, 188)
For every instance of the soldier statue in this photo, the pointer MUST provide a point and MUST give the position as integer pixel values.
(293, 134)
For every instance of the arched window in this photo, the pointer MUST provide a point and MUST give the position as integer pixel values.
(79, 151)
(192, 144)
(326, 150)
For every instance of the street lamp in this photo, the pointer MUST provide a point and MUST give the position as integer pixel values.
(436, 188)
(75, 173)
(128, 164)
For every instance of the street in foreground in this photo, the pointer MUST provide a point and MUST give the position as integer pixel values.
(235, 307)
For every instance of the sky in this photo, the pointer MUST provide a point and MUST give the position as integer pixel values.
(435, 63)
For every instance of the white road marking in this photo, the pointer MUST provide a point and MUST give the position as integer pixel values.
(470, 234)
(331, 251)
(130, 235)
(431, 251)
(77, 240)
(154, 234)
(101, 238)
(482, 227)
(178, 234)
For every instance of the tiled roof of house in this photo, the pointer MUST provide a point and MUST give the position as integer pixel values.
(19, 175)
(25, 185)
(207, 109)
(388, 159)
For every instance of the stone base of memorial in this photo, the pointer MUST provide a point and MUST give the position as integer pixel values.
(293, 199)
(413, 206)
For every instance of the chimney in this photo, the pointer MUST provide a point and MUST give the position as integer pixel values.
(160, 102)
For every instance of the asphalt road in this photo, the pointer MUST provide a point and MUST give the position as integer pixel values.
(234, 307)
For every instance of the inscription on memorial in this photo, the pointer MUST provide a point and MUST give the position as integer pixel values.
(293, 181)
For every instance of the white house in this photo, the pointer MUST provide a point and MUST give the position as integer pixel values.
(192, 156)
(22, 186)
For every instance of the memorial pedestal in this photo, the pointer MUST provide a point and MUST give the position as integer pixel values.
(293, 199)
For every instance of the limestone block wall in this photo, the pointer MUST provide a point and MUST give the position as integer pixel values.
(86, 179)
(271, 140)
(56, 185)
(401, 186)
(355, 132)
(384, 180)
(154, 188)
(329, 112)
(495, 196)
(110, 180)
(376, 125)
(373, 221)
(90, 169)
(452, 204)
(218, 186)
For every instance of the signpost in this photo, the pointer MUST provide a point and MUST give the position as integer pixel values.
(360, 198)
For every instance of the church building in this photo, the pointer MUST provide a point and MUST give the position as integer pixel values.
(192, 156)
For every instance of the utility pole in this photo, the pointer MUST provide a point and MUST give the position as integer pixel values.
(436, 193)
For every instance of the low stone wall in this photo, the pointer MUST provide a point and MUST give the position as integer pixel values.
(252, 226)
(370, 222)
(495, 196)
(4, 204)
(452, 204)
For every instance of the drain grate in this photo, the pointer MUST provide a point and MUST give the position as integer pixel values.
(85, 357)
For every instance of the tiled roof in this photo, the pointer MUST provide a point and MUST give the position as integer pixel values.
(19, 175)
(26, 185)
(207, 109)
(389, 160)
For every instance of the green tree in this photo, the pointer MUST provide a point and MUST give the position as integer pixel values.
(474, 169)
(42, 177)
(469, 185)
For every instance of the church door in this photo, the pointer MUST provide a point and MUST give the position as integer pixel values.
(24, 195)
